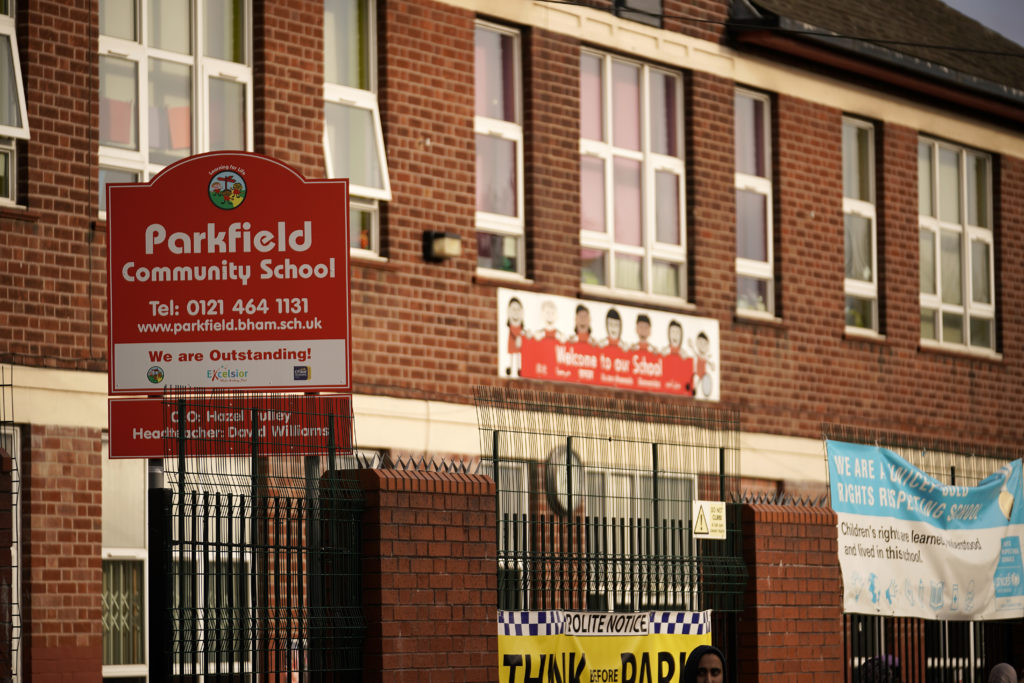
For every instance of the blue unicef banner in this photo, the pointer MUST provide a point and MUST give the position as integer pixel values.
(911, 546)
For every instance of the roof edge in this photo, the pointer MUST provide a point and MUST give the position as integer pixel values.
(753, 25)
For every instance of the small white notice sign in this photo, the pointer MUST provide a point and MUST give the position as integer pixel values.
(709, 519)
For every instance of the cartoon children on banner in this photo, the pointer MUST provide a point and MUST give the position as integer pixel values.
(551, 337)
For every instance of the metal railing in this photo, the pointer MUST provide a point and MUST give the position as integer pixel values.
(258, 576)
(595, 502)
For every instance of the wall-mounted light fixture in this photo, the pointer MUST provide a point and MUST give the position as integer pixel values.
(438, 246)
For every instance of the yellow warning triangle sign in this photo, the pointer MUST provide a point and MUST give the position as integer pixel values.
(701, 525)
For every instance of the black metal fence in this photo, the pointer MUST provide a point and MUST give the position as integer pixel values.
(595, 504)
(914, 650)
(10, 554)
(257, 577)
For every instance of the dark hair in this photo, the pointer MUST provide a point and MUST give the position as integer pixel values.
(693, 662)
(613, 315)
(511, 301)
(642, 318)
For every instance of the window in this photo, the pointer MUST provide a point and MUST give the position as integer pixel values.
(211, 594)
(860, 228)
(353, 137)
(124, 626)
(499, 150)
(513, 532)
(632, 234)
(10, 555)
(173, 82)
(644, 11)
(956, 245)
(124, 568)
(755, 280)
(8, 183)
(622, 523)
(211, 582)
(13, 115)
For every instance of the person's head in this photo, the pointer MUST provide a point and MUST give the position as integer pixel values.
(549, 311)
(1002, 673)
(613, 324)
(881, 669)
(706, 664)
(582, 320)
(703, 343)
(515, 311)
(643, 326)
(675, 334)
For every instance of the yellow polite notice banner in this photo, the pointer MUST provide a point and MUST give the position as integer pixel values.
(598, 647)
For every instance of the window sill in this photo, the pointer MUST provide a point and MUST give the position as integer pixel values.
(17, 212)
(758, 318)
(368, 259)
(966, 352)
(862, 334)
(638, 299)
(499, 278)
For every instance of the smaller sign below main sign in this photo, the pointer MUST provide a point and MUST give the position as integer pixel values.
(709, 519)
(230, 425)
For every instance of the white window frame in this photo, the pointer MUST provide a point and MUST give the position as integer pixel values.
(968, 235)
(493, 223)
(630, 504)
(363, 197)
(10, 134)
(214, 668)
(7, 28)
(515, 500)
(132, 670)
(750, 268)
(9, 148)
(651, 163)
(202, 70)
(238, 523)
(866, 209)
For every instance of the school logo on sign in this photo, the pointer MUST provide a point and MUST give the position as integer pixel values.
(227, 190)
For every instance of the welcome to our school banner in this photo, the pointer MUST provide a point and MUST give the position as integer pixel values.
(911, 546)
(602, 647)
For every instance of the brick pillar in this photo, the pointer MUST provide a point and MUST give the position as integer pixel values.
(792, 623)
(429, 577)
(60, 543)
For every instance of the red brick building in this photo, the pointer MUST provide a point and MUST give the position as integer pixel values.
(832, 194)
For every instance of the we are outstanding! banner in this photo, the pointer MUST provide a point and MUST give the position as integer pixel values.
(598, 646)
(911, 546)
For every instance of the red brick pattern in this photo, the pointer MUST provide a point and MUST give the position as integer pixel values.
(53, 292)
(791, 627)
(61, 542)
(288, 83)
(429, 577)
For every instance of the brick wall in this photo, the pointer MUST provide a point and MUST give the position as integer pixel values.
(791, 627)
(552, 160)
(405, 313)
(53, 293)
(429, 329)
(429, 577)
(61, 546)
(288, 83)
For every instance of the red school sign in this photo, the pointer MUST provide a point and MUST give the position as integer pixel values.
(228, 271)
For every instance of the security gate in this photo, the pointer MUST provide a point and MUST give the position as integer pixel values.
(595, 504)
(254, 541)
